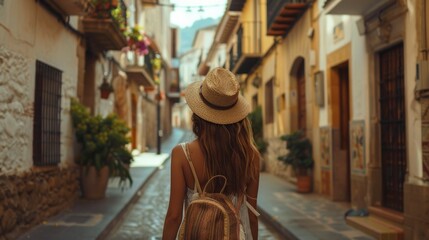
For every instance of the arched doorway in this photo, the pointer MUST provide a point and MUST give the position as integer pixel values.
(298, 81)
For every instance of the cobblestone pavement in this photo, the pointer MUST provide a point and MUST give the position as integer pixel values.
(145, 219)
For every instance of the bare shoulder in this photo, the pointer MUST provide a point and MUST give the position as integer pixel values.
(177, 151)
(193, 144)
(177, 155)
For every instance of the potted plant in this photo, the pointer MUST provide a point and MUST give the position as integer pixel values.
(103, 150)
(300, 157)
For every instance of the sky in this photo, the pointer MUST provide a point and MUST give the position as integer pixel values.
(182, 18)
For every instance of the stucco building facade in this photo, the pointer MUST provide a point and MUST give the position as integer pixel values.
(51, 52)
(352, 76)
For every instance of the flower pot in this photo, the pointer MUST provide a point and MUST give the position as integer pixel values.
(303, 184)
(94, 184)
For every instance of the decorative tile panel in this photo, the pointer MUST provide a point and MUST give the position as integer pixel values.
(357, 147)
(325, 147)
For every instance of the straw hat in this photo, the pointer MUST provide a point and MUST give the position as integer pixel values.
(217, 98)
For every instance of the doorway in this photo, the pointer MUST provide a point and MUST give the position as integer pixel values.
(298, 108)
(392, 126)
(302, 116)
(340, 90)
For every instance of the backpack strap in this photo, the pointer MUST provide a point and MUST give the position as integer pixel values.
(188, 157)
(249, 206)
(216, 176)
(252, 209)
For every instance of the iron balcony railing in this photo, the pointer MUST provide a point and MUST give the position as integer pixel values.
(249, 38)
(247, 51)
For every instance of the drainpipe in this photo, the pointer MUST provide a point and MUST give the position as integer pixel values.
(423, 34)
(158, 122)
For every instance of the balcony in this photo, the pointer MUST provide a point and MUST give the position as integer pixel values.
(353, 7)
(236, 5)
(248, 48)
(149, 3)
(136, 70)
(103, 26)
(226, 27)
(69, 7)
(283, 14)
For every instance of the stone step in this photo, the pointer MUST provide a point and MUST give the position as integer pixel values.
(392, 217)
(376, 227)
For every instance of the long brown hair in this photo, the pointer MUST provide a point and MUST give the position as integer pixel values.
(229, 150)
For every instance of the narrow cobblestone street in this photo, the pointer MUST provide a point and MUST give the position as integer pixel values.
(144, 219)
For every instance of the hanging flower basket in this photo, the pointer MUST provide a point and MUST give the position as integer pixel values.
(137, 41)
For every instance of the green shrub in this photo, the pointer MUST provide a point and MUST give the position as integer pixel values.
(299, 154)
(255, 118)
(103, 141)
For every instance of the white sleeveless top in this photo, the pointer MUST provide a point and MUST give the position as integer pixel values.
(192, 194)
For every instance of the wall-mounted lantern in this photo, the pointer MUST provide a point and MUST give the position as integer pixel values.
(106, 87)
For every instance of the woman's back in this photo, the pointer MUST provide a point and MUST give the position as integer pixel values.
(198, 162)
(224, 146)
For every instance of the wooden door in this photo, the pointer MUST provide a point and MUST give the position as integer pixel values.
(392, 125)
(302, 116)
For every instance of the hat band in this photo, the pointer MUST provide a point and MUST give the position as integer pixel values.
(214, 106)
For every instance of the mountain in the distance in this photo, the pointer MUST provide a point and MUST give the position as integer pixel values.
(187, 34)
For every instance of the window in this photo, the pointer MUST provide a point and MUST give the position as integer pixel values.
(47, 116)
(269, 108)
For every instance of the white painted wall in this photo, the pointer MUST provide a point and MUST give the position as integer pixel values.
(29, 33)
(189, 67)
(358, 71)
(323, 112)
(219, 57)
(156, 23)
(412, 107)
(206, 41)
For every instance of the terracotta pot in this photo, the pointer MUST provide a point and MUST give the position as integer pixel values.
(94, 184)
(303, 184)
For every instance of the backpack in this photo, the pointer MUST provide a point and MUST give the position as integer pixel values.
(211, 216)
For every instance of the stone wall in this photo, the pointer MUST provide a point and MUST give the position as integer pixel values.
(275, 148)
(32, 197)
(16, 112)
